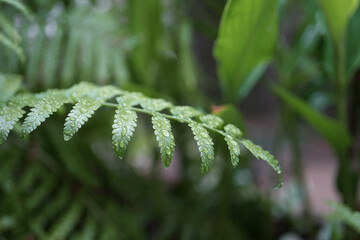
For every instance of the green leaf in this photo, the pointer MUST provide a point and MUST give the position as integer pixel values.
(9, 84)
(352, 45)
(258, 152)
(205, 145)
(67, 222)
(230, 114)
(19, 6)
(184, 112)
(234, 149)
(131, 99)
(331, 130)
(346, 215)
(123, 129)
(13, 46)
(164, 137)
(81, 112)
(9, 29)
(212, 120)
(247, 35)
(9, 115)
(337, 15)
(51, 101)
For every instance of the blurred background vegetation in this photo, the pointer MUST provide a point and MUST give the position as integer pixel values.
(286, 72)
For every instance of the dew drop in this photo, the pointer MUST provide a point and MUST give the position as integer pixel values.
(165, 133)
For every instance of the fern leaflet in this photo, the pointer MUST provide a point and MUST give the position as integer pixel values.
(123, 129)
(233, 131)
(205, 144)
(234, 149)
(155, 104)
(185, 112)
(212, 121)
(81, 112)
(164, 137)
(50, 103)
(258, 152)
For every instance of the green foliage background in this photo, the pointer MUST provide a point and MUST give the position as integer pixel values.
(52, 189)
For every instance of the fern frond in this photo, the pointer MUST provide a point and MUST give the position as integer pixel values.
(81, 112)
(205, 145)
(51, 101)
(123, 129)
(89, 98)
(165, 138)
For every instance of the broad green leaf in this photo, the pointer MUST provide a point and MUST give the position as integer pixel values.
(123, 129)
(331, 130)
(164, 137)
(338, 13)
(145, 24)
(9, 84)
(352, 44)
(205, 145)
(247, 34)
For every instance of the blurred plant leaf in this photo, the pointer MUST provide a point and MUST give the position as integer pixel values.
(337, 15)
(230, 114)
(19, 6)
(6, 26)
(145, 24)
(250, 80)
(9, 85)
(331, 130)
(247, 35)
(13, 46)
(353, 46)
(345, 215)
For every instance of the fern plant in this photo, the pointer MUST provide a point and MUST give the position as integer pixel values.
(88, 98)
(9, 36)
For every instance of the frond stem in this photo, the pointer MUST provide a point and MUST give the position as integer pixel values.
(182, 120)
